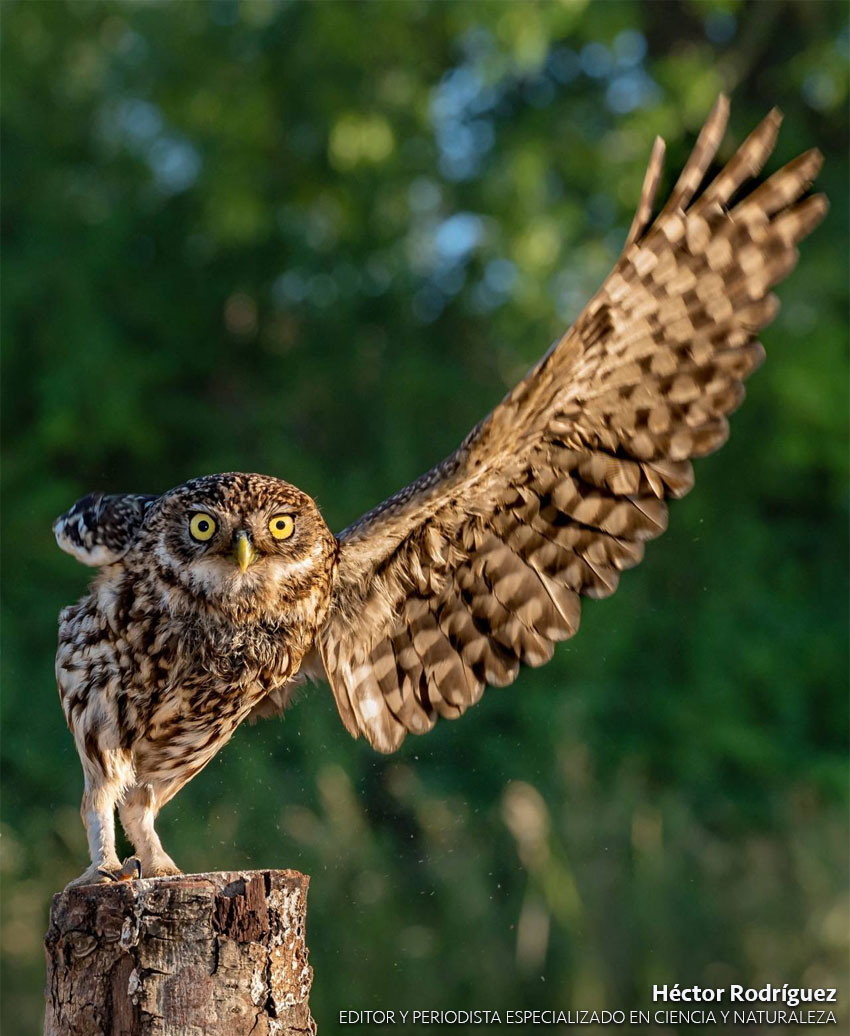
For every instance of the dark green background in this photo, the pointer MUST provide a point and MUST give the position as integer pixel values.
(320, 241)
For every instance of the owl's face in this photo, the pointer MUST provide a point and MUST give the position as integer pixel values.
(247, 544)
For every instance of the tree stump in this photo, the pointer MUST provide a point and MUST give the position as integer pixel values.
(219, 954)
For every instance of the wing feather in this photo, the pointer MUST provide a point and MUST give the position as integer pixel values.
(701, 157)
(479, 566)
(99, 530)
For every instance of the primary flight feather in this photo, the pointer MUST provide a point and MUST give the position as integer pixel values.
(213, 599)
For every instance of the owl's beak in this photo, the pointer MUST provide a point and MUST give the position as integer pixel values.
(243, 549)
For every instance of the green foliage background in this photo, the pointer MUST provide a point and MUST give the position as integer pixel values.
(320, 241)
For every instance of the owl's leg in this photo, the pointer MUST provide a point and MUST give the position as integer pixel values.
(98, 813)
(138, 811)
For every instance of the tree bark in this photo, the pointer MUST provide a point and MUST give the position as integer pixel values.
(218, 954)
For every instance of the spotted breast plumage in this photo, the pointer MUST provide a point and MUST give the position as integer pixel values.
(214, 599)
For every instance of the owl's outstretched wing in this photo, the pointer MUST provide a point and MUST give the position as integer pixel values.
(480, 565)
(99, 530)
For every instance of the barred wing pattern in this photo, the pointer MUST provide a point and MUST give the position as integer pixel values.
(480, 565)
(99, 530)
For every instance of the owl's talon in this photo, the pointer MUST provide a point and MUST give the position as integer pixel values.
(164, 870)
(94, 876)
(131, 870)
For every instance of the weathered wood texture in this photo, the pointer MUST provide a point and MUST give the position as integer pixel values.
(219, 954)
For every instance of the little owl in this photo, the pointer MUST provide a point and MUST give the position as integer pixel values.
(213, 600)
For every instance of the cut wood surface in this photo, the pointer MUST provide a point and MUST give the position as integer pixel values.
(217, 954)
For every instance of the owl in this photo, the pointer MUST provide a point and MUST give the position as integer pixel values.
(213, 600)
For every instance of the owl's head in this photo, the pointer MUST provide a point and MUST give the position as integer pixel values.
(250, 546)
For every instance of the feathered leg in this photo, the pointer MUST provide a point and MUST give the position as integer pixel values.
(138, 811)
(98, 813)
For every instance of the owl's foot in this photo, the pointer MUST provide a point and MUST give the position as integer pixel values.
(162, 869)
(128, 870)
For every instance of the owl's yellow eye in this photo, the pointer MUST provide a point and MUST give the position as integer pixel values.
(282, 526)
(202, 527)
